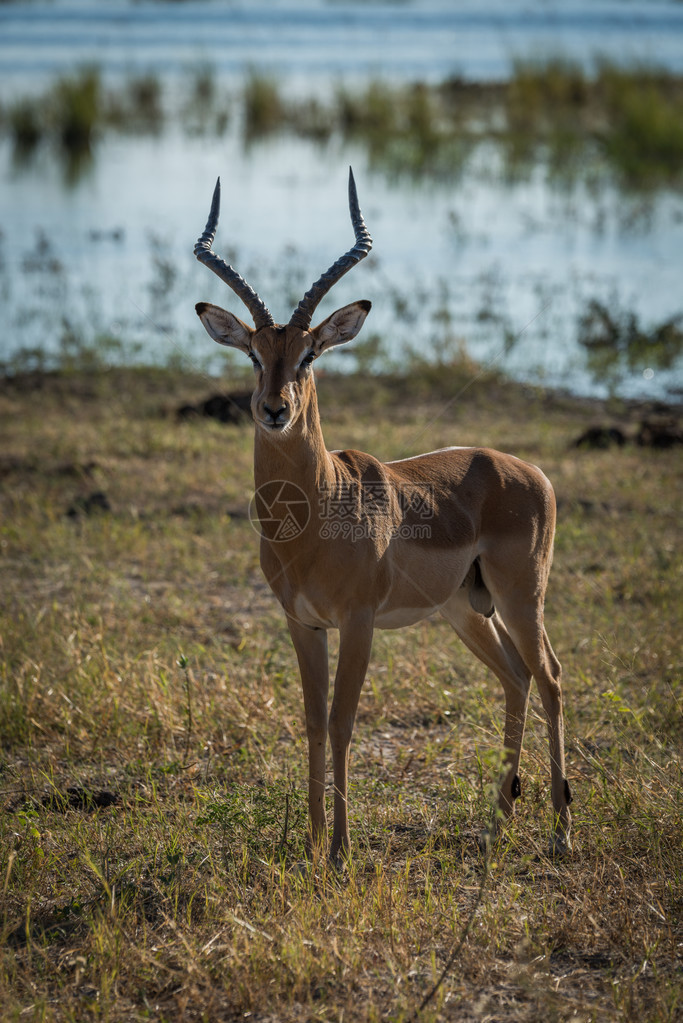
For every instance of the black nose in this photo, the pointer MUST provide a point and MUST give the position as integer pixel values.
(274, 413)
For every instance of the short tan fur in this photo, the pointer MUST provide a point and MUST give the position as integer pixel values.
(466, 532)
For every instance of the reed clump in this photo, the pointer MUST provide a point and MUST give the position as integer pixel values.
(145, 101)
(25, 125)
(263, 107)
(69, 115)
(614, 339)
(76, 110)
(137, 106)
(643, 135)
(630, 119)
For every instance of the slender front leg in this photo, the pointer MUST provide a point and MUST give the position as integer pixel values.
(355, 644)
(311, 651)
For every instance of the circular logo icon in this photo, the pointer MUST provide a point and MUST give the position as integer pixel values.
(279, 511)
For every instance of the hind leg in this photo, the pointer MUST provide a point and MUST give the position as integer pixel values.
(488, 640)
(550, 686)
(524, 622)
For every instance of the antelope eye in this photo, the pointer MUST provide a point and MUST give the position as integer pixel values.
(256, 363)
(307, 360)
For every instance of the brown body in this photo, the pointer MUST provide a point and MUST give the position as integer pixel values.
(466, 532)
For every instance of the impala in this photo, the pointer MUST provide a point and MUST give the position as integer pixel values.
(352, 543)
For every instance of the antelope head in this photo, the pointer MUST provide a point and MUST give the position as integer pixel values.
(282, 354)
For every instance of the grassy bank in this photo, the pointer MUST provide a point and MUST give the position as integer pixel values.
(153, 754)
(625, 124)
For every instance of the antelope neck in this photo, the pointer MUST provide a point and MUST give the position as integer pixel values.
(298, 455)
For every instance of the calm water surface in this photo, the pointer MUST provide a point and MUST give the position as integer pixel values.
(305, 40)
(479, 260)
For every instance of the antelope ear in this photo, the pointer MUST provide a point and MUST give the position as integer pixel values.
(341, 326)
(223, 327)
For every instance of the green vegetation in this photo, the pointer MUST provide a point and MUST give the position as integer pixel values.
(626, 124)
(614, 340)
(644, 134)
(76, 110)
(264, 109)
(24, 125)
(153, 763)
(69, 114)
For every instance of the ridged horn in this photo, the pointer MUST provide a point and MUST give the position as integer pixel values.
(202, 250)
(302, 315)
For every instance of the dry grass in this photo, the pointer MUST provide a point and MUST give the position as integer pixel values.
(143, 663)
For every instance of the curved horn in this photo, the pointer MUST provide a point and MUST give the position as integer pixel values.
(204, 254)
(301, 317)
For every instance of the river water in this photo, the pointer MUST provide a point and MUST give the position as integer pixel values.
(503, 267)
(314, 40)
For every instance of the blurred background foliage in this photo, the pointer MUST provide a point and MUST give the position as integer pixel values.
(612, 120)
